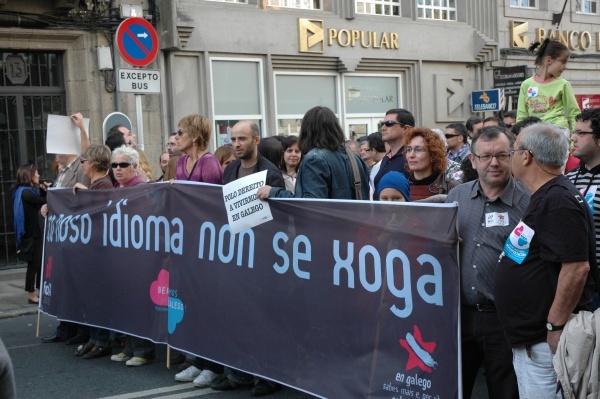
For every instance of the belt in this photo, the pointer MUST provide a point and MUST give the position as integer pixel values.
(482, 307)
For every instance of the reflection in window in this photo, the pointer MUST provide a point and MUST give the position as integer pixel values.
(523, 3)
(378, 7)
(306, 4)
(442, 10)
(586, 6)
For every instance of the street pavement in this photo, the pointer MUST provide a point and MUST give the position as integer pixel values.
(51, 371)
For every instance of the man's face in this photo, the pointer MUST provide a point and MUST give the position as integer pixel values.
(392, 134)
(128, 136)
(164, 161)
(365, 151)
(453, 140)
(490, 123)
(585, 146)
(509, 121)
(476, 128)
(171, 144)
(517, 159)
(494, 173)
(244, 145)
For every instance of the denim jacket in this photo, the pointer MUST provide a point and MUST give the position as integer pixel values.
(326, 174)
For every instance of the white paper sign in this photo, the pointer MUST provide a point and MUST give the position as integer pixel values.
(62, 136)
(244, 210)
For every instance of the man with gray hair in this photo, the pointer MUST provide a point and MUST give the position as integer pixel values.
(543, 275)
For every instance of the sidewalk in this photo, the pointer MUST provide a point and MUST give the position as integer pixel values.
(13, 298)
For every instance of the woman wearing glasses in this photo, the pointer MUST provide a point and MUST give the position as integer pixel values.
(125, 161)
(427, 163)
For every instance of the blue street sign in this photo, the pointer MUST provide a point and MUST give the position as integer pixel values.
(137, 41)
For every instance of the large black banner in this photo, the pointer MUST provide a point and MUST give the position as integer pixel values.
(342, 299)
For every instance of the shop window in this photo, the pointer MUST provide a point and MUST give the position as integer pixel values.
(586, 6)
(441, 10)
(523, 3)
(378, 7)
(295, 94)
(237, 86)
(305, 4)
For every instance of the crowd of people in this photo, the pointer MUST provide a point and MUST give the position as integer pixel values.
(528, 212)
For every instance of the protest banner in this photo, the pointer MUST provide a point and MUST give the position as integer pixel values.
(339, 299)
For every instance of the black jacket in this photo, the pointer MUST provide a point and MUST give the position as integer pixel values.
(274, 176)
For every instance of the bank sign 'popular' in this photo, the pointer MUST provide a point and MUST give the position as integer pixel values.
(313, 36)
(342, 299)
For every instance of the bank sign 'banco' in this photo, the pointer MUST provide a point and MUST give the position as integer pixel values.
(313, 36)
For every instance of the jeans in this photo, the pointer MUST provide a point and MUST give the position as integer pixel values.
(99, 336)
(535, 372)
(139, 347)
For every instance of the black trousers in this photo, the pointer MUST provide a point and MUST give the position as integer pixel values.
(483, 341)
(34, 267)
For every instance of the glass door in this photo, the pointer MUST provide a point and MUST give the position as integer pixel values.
(356, 128)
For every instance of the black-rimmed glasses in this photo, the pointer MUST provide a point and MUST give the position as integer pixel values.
(502, 157)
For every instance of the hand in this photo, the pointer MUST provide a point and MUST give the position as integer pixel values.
(552, 338)
(78, 186)
(263, 193)
(44, 210)
(77, 120)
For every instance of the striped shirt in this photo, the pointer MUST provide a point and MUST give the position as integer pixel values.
(588, 183)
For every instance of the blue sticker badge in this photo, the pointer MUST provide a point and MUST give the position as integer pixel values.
(589, 197)
(517, 244)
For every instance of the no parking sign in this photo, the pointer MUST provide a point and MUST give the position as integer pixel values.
(137, 41)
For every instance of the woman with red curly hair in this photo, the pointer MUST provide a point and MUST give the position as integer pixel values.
(426, 161)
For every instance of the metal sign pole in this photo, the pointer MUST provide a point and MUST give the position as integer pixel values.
(139, 119)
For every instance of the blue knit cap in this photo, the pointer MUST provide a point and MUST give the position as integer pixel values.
(397, 181)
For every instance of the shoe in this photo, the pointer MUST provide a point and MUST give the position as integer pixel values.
(97, 352)
(32, 302)
(78, 339)
(188, 374)
(223, 384)
(83, 349)
(265, 387)
(121, 357)
(178, 358)
(138, 361)
(53, 339)
(205, 378)
(186, 364)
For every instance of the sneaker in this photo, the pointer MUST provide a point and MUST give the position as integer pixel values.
(188, 374)
(205, 378)
(138, 361)
(121, 357)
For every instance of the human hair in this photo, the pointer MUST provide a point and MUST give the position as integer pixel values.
(403, 116)
(198, 127)
(320, 129)
(461, 129)
(471, 122)
(128, 152)
(517, 127)
(499, 121)
(271, 149)
(97, 155)
(224, 152)
(376, 142)
(25, 175)
(288, 141)
(549, 47)
(547, 144)
(435, 146)
(115, 129)
(114, 139)
(469, 172)
(511, 114)
(144, 164)
(171, 168)
(592, 115)
(490, 133)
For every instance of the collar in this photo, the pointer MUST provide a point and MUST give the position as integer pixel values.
(506, 196)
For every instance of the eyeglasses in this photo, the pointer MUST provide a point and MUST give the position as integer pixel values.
(418, 149)
(449, 136)
(508, 125)
(83, 161)
(502, 157)
(512, 152)
(367, 149)
(581, 133)
(392, 123)
(121, 165)
(180, 132)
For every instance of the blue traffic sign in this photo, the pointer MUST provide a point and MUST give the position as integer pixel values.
(137, 41)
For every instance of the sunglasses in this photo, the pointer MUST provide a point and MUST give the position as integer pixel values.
(121, 165)
(392, 123)
(449, 136)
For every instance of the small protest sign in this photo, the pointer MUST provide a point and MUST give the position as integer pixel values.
(63, 137)
(244, 209)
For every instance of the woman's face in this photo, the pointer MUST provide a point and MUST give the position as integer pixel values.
(36, 178)
(419, 159)
(123, 174)
(292, 156)
(184, 141)
(227, 161)
(88, 169)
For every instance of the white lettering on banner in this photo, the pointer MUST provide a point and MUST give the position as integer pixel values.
(209, 231)
(405, 292)
(297, 255)
(74, 227)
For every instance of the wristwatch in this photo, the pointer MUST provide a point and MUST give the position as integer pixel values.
(552, 327)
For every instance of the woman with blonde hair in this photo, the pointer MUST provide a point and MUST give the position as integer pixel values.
(144, 169)
(196, 163)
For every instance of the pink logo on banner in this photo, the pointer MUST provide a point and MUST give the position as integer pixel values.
(159, 289)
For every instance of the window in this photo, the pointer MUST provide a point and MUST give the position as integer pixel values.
(378, 7)
(441, 10)
(232, 1)
(237, 88)
(586, 6)
(306, 4)
(523, 3)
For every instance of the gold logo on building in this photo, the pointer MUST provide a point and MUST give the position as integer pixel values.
(517, 34)
(311, 33)
(485, 97)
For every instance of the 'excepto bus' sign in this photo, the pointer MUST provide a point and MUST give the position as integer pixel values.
(140, 81)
